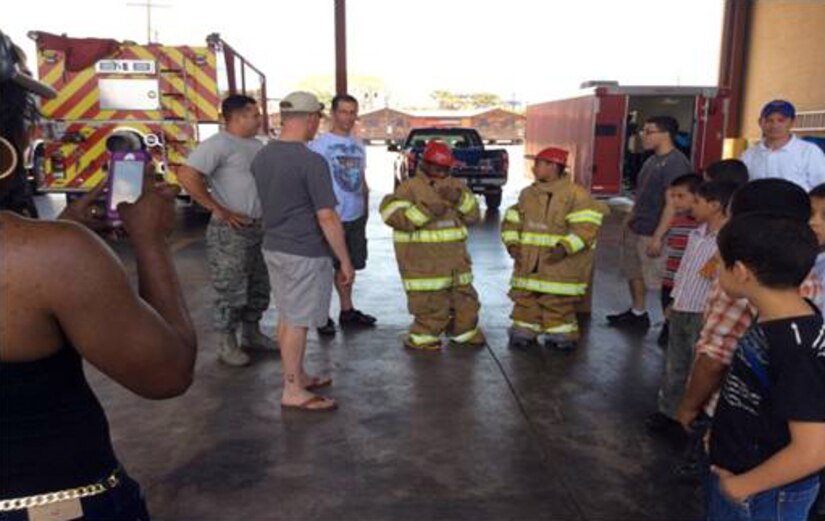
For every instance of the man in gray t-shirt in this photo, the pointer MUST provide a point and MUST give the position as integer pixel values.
(640, 257)
(217, 175)
(302, 232)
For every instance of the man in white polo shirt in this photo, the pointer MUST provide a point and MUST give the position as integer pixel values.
(782, 155)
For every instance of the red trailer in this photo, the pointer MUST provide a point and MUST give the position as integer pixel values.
(600, 127)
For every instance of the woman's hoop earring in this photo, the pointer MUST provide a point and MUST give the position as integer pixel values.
(8, 158)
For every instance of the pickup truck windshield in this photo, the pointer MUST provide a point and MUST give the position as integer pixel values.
(456, 139)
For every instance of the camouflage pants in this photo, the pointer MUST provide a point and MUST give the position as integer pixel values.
(239, 274)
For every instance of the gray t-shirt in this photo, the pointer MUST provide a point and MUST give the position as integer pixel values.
(294, 183)
(654, 179)
(224, 160)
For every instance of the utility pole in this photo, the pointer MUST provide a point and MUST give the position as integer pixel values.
(340, 46)
(149, 5)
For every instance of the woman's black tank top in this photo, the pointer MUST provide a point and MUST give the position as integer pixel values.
(53, 431)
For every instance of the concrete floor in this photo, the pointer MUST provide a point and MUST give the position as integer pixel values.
(489, 434)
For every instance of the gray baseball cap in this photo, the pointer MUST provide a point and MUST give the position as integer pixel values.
(301, 102)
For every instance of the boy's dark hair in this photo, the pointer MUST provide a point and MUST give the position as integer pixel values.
(665, 124)
(729, 171)
(235, 103)
(690, 181)
(717, 192)
(817, 192)
(349, 98)
(776, 197)
(777, 250)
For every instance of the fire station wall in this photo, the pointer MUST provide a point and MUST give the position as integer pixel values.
(785, 58)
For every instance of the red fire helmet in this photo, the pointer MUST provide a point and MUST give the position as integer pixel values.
(553, 155)
(438, 153)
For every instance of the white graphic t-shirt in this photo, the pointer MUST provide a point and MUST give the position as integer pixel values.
(346, 157)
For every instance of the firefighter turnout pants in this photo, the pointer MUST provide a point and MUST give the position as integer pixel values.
(453, 311)
(541, 313)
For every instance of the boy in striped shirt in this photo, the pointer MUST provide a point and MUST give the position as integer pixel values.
(692, 284)
(681, 195)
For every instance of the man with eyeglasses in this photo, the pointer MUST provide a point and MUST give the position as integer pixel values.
(641, 260)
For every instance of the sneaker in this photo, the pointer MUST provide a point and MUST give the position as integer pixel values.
(521, 343)
(327, 329)
(563, 346)
(355, 318)
(629, 320)
(659, 422)
(664, 335)
(230, 353)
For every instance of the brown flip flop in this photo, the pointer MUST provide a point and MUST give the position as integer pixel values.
(319, 382)
(307, 405)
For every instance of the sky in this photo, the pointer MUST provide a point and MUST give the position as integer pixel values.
(526, 50)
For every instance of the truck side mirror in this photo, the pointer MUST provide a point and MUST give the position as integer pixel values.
(393, 148)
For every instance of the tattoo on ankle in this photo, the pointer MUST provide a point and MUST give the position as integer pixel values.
(291, 378)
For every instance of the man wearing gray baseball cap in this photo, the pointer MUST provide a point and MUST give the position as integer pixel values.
(302, 232)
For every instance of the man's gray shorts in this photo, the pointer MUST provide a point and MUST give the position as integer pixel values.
(302, 287)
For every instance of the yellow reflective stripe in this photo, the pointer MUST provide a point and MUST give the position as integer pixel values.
(418, 217)
(564, 328)
(574, 243)
(432, 236)
(512, 216)
(464, 279)
(510, 236)
(585, 216)
(421, 340)
(437, 283)
(468, 203)
(554, 288)
(465, 337)
(393, 207)
(527, 325)
(540, 239)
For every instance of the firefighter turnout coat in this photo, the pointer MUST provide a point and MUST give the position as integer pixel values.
(432, 255)
(551, 235)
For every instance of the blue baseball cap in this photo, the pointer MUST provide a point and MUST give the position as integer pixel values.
(779, 105)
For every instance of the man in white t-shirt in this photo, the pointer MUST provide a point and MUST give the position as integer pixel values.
(782, 155)
(346, 157)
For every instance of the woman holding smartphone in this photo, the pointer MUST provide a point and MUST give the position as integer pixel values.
(65, 298)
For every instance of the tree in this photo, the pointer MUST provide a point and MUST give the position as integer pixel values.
(448, 100)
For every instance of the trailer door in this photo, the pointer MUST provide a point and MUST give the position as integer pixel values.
(609, 129)
(711, 116)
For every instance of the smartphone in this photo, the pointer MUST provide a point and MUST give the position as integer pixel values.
(125, 180)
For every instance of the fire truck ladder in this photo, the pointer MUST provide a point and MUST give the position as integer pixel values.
(183, 74)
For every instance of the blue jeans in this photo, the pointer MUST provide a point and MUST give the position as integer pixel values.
(788, 503)
(123, 503)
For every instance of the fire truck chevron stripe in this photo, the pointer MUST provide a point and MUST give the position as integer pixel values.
(49, 72)
(87, 106)
(200, 84)
(72, 93)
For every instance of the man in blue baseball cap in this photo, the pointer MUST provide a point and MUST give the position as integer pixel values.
(782, 155)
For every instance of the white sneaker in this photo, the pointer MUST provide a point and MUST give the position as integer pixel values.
(230, 353)
(252, 338)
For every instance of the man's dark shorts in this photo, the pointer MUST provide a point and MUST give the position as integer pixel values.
(355, 233)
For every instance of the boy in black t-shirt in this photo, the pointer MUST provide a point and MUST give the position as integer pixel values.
(767, 441)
